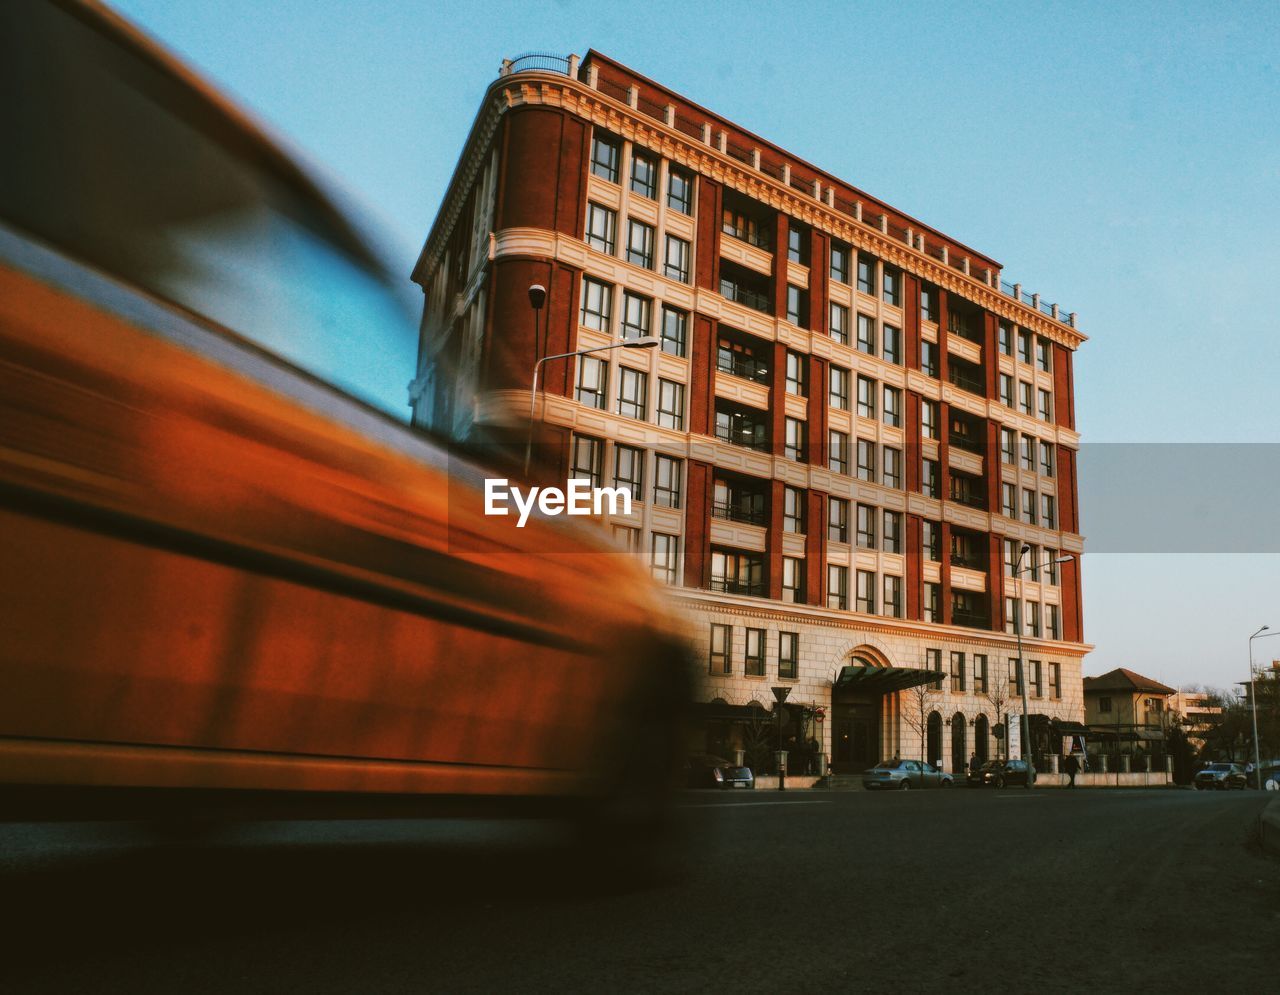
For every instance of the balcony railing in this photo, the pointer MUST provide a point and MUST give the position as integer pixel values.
(970, 619)
(967, 444)
(743, 366)
(966, 381)
(727, 586)
(758, 236)
(748, 438)
(749, 298)
(733, 512)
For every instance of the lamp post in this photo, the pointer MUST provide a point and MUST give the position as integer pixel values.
(780, 695)
(646, 342)
(1253, 703)
(1025, 724)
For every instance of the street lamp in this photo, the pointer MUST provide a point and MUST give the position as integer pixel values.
(1253, 703)
(1025, 724)
(645, 342)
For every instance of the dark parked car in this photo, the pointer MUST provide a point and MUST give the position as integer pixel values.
(705, 770)
(1221, 776)
(904, 774)
(998, 773)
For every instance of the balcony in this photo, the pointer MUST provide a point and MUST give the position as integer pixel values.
(967, 376)
(742, 427)
(968, 491)
(737, 501)
(970, 610)
(738, 356)
(744, 295)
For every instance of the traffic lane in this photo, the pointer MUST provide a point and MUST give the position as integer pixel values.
(897, 890)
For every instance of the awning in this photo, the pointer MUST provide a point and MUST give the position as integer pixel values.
(882, 680)
(721, 711)
(1126, 734)
(1064, 728)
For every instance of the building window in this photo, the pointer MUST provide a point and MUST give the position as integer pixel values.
(605, 157)
(1028, 451)
(931, 541)
(1029, 506)
(793, 444)
(633, 392)
(721, 638)
(676, 266)
(1104, 704)
(891, 342)
(1048, 511)
(737, 573)
(929, 358)
(671, 404)
(637, 315)
(797, 306)
(838, 395)
(679, 191)
(788, 655)
(866, 397)
(644, 176)
(588, 453)
(675, 331)
(893, 596)
(928, 303)
(840, 262)
(867, 460)
(1024, 397)
(1033, 619)
(933, 664)
(628, 470)
(1024, 346)
(640, 244)
(1055, 680)
(866, 526)
(602, 228)
(838, 454)
(892, 286)
(797, 245)
(838, 325)
(932, 602)
(1043, 352)
(929, 478)
(1046, 405)
(865, 595)
(593, 377)
(1046, 459)
(753, 662)
(1037, 688)
(1054, 622)
(627, 537)
(597, 304)
(1005, 338)
(867, 274)
(958, 682)
(1009, 501)
(667, 472)
(666, 554)
(892, 532)
(837, 519)
(1011, 551)
(892, 476)
(1006, 390)
(867, 334)
(796, 370)
(892, 406)
(1010, 616)
(1051, 566)
(792, 580)
(1015, 679)
(1008, 446)
(837, 587)
(979, 673)
(929, 419)
(792, 510)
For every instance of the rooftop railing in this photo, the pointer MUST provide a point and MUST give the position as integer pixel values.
(537, 62)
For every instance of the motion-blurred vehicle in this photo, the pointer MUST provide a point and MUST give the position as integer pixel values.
(1220, 776)
(233, 578)
(905, 774)
(998, 774)
(704, 770)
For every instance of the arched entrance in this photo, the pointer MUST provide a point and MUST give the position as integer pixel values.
(934, 752)
(959, 748)
(982, 738)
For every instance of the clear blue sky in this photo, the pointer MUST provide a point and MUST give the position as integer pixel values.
(1120, 159)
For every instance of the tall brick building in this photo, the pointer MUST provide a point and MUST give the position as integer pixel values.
(851, 428)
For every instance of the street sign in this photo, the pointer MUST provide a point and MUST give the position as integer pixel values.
(780, 694)
(1015, 739)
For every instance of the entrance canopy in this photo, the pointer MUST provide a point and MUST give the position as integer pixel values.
(867, 677)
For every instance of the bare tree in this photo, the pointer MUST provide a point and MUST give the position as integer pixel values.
(916, 713)
(999, 698)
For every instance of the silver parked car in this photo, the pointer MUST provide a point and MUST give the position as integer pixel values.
(904, 774)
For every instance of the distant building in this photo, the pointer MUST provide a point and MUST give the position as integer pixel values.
(1200, 711)
(1126, 713)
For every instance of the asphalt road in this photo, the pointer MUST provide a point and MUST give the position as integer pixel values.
(959, 890)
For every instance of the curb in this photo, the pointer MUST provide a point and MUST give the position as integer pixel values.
(1269, 825)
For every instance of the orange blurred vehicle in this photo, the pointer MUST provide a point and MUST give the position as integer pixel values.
(231, 576)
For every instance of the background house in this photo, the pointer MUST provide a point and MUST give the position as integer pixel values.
(1127, 715)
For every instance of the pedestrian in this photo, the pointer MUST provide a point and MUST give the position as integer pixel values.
(973, 762)
(1073, 767)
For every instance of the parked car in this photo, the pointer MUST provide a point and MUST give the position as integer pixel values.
(705, 770)
(904, 774)
(1222, 776)
(998, 773)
